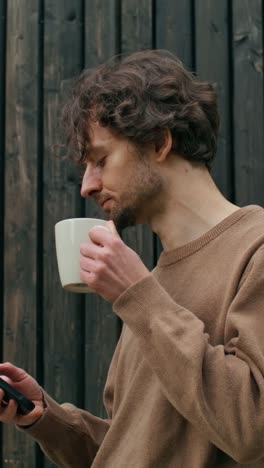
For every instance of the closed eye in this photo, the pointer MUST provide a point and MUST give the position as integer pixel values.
(101, 162)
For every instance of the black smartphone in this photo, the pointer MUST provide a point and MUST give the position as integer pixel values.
(24, 405)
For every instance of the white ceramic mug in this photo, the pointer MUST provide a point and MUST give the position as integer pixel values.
(69, 235)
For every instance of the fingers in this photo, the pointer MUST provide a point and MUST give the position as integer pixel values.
(87, 277)
(8, 411)
(14, 373)
(112, 228)
(100, 236)
(87, 264)
(6, 379)
(90, 250)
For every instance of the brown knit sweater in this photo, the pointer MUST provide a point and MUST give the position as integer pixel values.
(186, 385)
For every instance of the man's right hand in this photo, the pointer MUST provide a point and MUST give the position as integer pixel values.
(25, 384)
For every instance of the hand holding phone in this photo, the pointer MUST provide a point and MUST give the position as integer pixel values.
(25, 405)
(27, 394)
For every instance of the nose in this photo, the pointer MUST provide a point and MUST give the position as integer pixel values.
(91, 182)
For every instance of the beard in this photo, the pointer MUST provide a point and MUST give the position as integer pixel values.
(137, 203)
(124, 218)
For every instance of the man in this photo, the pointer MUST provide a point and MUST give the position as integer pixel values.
(186, 384)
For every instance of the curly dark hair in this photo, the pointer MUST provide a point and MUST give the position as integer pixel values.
(140, 97)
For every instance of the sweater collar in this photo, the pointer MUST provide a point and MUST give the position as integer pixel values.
(172, 256)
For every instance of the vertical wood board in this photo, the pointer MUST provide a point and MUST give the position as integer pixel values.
(20, 241)
(63, 311)
(248, 101)
(136, 25)
(213, 64)
(174, 29)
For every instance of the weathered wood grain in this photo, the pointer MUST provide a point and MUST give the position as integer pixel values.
(248, 101)
(174, 28)
(63, 311)
(2, 161)
(20, 239)
(212, 58)
(136, 25)
(102, 30)
(2, 90)
(102, 327)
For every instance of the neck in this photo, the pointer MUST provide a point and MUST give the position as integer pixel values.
(191, 205)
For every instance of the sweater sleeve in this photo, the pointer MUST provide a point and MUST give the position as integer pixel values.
(68, 436)
(218, 389)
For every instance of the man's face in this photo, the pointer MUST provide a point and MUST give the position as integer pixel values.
(121, 181)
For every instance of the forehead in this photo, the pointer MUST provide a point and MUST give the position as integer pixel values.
(100, 136)
(101, 139)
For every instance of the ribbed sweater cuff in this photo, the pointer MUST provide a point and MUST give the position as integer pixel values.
(43, 427)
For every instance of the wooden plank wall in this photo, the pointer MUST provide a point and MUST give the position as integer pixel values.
(65, 340)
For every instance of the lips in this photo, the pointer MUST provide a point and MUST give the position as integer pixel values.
(106, 203)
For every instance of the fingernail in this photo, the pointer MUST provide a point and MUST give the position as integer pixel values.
(99, 226)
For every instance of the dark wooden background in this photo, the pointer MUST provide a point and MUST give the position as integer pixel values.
(67, 340)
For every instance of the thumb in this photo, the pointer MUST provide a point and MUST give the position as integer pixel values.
(111, 227)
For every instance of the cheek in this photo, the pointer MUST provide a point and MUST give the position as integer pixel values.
(118, 178)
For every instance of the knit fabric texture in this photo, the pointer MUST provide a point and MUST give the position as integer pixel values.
(185, 388)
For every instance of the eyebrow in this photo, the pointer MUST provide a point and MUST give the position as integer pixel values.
(95, 150)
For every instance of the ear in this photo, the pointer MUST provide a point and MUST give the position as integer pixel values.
(163, 147)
